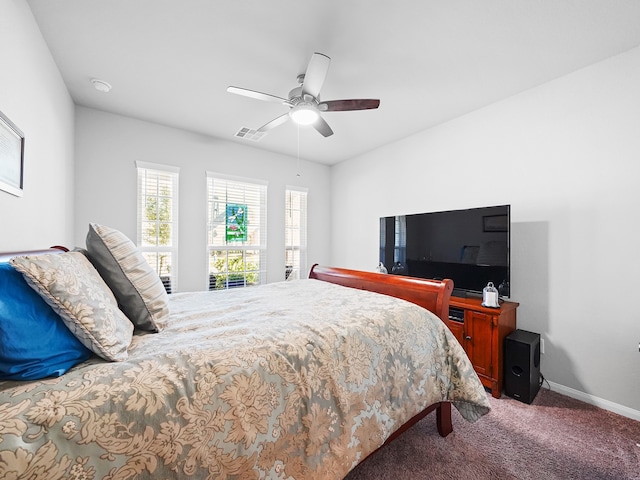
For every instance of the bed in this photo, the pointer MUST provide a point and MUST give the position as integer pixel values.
(298, 379)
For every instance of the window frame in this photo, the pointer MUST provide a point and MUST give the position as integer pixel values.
(173, 172)
(257, 187)
(299, 270)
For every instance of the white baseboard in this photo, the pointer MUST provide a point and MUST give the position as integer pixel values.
(597, 401)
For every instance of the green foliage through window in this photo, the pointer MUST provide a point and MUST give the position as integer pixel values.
(232, 271)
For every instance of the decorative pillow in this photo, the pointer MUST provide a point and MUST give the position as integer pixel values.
(25, 355)
(137, 287)
(69, 283)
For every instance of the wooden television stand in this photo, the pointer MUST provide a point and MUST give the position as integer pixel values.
(481, 332)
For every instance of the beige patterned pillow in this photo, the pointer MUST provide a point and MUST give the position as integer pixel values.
(137, 287)
(69, 283)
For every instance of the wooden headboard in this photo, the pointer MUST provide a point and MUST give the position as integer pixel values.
(433, 295)
(6, 256)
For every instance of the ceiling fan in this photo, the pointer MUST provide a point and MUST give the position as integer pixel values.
(304, 100)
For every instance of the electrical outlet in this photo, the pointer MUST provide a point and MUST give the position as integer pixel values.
(542, 346)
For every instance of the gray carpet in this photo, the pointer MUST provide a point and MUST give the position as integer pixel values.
(556, 437)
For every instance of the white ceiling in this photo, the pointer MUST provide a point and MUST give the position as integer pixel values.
(428, 61)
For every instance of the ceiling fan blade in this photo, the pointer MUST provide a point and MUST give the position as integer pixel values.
(274, 123)
(257, 95)
(323, 127)
(346, 105)
(315, 74)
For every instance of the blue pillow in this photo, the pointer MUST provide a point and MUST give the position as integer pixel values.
(34, 342)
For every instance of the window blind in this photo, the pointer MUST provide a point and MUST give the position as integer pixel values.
(295, 232)
(158, 219)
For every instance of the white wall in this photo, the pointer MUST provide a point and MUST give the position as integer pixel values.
(566, 156)
(107, 147)
(34, 97)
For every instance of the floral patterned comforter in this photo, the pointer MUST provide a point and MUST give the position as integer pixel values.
(292, 380)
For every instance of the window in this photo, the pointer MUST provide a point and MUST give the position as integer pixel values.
(295, 231)
(236, 231)
(158, 219)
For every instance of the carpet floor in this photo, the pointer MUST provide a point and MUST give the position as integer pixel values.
(556, 437)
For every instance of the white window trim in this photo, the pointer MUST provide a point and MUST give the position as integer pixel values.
(157, 166)
(235, 178)
(296, 188)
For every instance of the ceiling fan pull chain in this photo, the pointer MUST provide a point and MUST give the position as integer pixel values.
(298, 165)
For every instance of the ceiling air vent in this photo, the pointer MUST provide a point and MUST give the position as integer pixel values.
(250, 134)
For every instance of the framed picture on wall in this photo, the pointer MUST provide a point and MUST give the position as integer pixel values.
(11, 157)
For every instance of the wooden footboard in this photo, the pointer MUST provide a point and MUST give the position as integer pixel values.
(443, 420)
(433, 295)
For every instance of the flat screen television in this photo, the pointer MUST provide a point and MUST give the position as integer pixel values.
(469, 246)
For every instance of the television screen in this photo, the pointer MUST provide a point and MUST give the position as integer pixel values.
(470, 246)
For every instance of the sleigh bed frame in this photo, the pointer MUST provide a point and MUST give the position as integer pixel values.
(432, 295)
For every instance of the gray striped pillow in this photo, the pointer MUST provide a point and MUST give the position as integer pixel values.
(136, 286)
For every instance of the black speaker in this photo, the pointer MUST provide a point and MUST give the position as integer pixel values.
(522, 365)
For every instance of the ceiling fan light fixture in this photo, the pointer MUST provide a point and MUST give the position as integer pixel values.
(304, 114)
(304, 100)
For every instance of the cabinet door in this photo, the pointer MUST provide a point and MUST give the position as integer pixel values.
(457, 328)
(478, 341)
